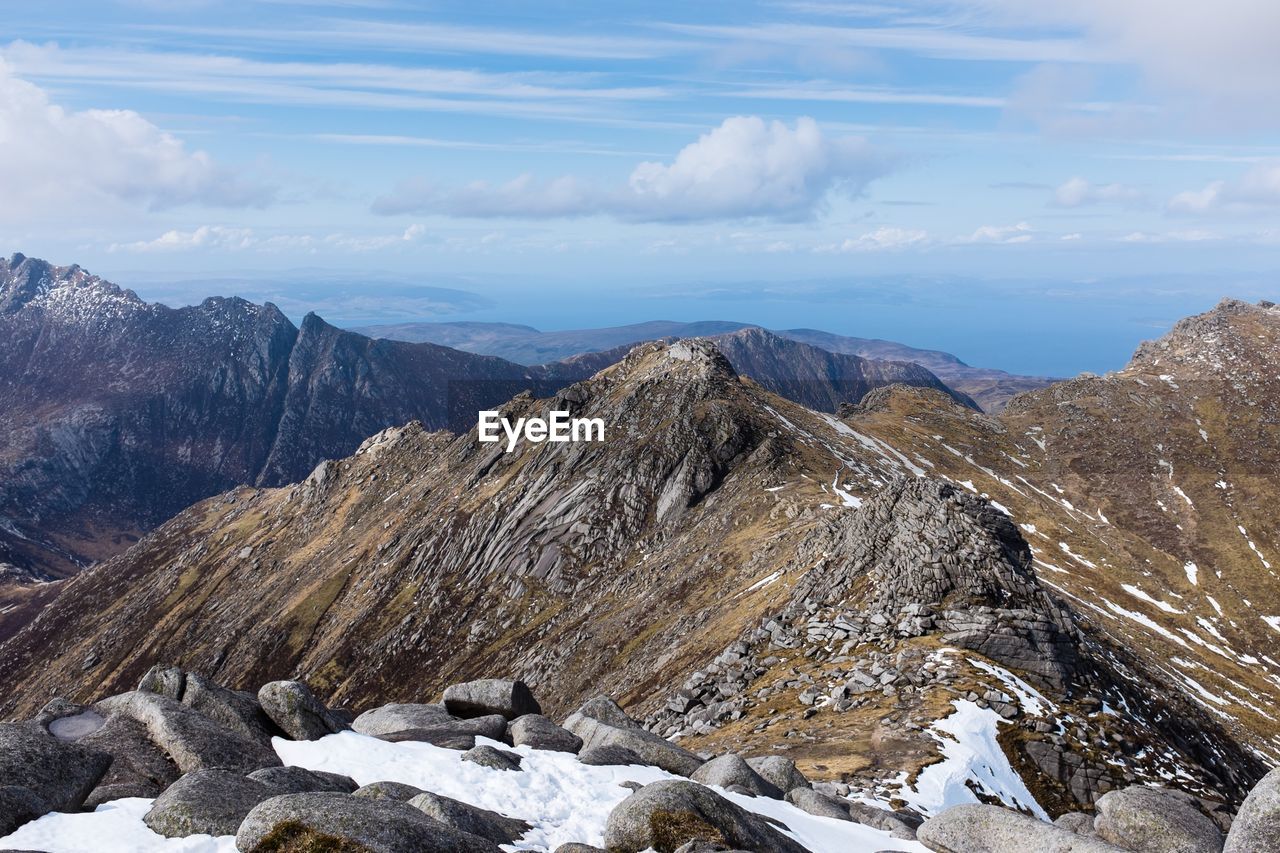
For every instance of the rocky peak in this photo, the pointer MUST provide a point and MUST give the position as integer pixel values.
(923, 557)
(1220, 343)
(69, 292)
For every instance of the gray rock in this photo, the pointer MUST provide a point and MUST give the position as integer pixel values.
(209, 802)
(299, 780)
(487, 756)
(1081, 823)
(574, 847)
(666, 815)
(779, 772)
(899, 824)
(652, 749)
(1156, 820)
(139, 768)
(60, 774)
(487, 696)
(991, 829)
(815, 803)
(18, 805)
(233, 709)
(607, 756)
(732, 770)
(539, 732)
(443, 738)
(498, 828)
(1257, 824)
(391, 790)
(167, 681)
(397, 717)
(605, 710)
(377, 825)
(296, 710)
(192, 740)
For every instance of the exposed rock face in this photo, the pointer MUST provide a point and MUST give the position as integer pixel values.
(926, 557)
(991, 829)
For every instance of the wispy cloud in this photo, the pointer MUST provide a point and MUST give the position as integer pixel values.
(1078, 192)
(746, 167)
(1022, 232)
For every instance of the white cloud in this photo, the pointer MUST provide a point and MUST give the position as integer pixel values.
(1255, 190)
(746, 167)
(1184, 236)
(229, 239)
(1225, 49)
(1019, 233)
(885, 238)
(55, 161)
(1078, 192)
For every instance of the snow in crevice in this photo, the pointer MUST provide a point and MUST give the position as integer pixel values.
(971, 757)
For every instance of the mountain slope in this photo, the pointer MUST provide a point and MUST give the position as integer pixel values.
(527, 345)
(721, 537)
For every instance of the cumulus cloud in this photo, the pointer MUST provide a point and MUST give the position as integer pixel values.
(1078, 192)
(53, 160)
(1255, 190)
(746, 167)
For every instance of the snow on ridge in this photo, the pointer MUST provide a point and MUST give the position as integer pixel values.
(1138, 592)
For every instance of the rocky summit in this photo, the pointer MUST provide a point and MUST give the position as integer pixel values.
(738, 623)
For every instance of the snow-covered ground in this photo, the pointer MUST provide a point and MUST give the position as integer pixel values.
(971, 757)
(564, 799)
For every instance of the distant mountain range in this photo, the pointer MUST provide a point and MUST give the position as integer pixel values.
(990, 388)
(117, 413)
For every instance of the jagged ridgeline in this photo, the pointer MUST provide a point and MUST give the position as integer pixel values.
(116, 414)
(753, 576)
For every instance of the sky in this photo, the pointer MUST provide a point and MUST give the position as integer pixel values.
(1034, 186)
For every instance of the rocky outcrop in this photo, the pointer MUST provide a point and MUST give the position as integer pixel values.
(1257, 825)
(339, 822)
(1156, 820)
(991, 829)
(664, 816)
(60, 775)
(296, 710)
(490, 696)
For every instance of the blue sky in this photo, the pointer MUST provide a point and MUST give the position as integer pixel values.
(1032, 188)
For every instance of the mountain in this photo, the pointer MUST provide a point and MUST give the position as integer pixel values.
(117, 413)
(855, 592)
(992, 389)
